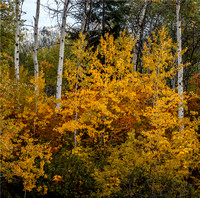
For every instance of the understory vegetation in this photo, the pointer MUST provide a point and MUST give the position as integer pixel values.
(115, 131)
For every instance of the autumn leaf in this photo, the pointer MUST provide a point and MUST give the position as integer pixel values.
(58, 178)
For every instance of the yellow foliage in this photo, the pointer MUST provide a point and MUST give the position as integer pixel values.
(21, 154)
(57, 178)
(24, 161)
(157, 147)
(107, 104)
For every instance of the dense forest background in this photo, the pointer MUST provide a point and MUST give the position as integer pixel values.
(111, 109)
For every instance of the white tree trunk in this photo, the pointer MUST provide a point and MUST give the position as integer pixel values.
(61, 54)
(17, 20)
(76, 108)
(180, 63)
(35, 50)
(138, 35)
(84, 16)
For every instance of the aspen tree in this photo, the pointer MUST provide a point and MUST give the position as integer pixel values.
(180, 62)
(156, 145)
(77, 76)
(138, 34)
(17, 20)
(61, 54)
(35, 59)
(103, 18)
(84, 16)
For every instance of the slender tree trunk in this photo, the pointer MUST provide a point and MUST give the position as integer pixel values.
(35, 50)
(61, 54)
(174, 79)
(84, 16)
(17, 20)
(180, 62)
(103, 18)
(76, 108)
(89, 15)
(77, 76)
(173, 82)
(138, 35)
(25, 194)
(88, 21)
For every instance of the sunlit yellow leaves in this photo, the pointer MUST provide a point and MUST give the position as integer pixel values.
(21, 155)
(42, 189)
(25, 165)
(97, 88)
(128, 117)
(45, 65)
(158, 58)
(146, 105)
(58, 178)
(157, 1)
(114, 181)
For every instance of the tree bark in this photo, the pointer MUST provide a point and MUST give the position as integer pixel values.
(17, 20)
(103, 18)
(76, 108)
(180, 62)
(84, 16)
(138, 34)
(89, 15)
(35, 50)
(61, 54)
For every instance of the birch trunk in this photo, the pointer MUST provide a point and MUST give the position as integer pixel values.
(138, 35)
(103, 18)
(84, 16)
(76, 109)
(17, 20)
(89, 16)
(180, 63)
(61, 54)
(35, 50)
